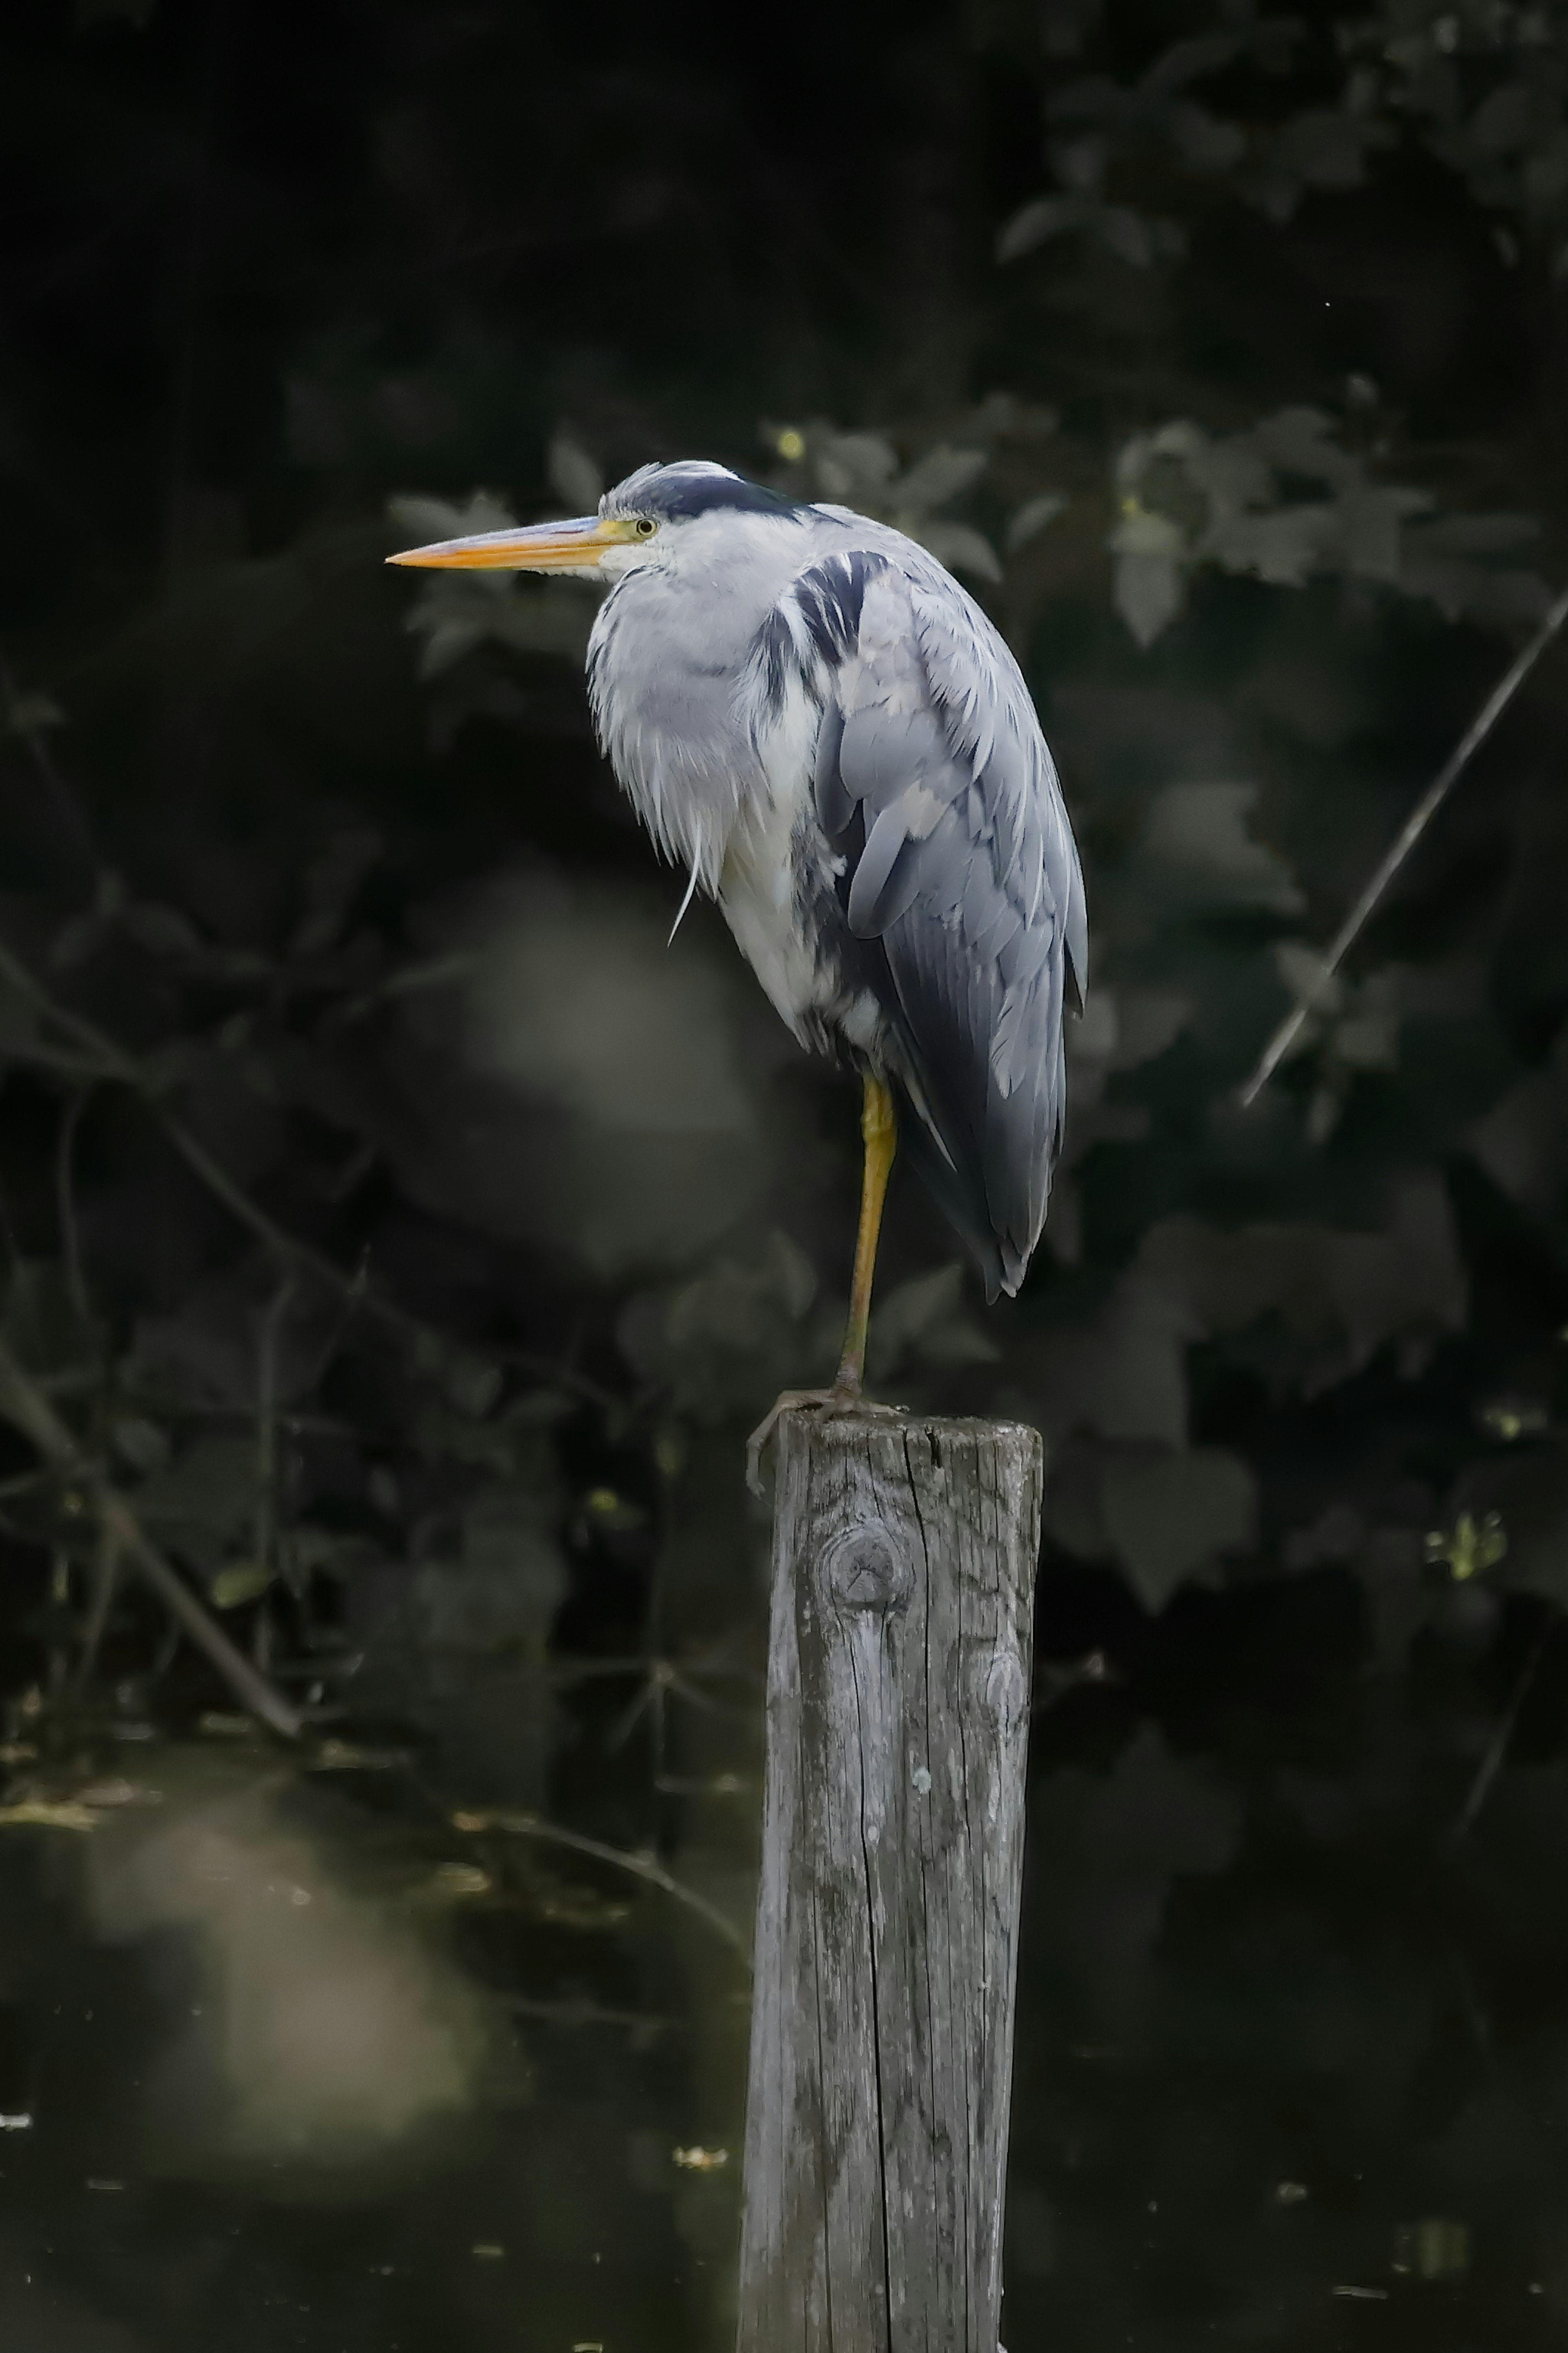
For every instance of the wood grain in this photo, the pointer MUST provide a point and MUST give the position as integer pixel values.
(898, 1677)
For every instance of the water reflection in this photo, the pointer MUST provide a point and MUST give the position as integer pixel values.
(337, 2052)
(327, 2026)
(289, 2060)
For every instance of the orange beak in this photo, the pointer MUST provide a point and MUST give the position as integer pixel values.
(576, 546)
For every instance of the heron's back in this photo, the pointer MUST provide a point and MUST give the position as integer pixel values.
(859, 773)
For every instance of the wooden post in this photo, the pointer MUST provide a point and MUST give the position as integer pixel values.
(898, 1677)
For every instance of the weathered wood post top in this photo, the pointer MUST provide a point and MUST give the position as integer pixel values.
(898, 1677)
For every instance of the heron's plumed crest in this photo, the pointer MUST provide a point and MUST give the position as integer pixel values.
(695, 486)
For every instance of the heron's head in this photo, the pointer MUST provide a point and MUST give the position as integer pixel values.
(650, 519)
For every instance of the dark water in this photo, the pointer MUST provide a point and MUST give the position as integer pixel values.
(332, 2052)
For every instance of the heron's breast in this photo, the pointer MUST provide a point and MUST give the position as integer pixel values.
(758, 891)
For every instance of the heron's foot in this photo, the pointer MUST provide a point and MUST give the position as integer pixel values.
(836, 1401)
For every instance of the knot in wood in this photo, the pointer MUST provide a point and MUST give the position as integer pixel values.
(1004, 1691)
(868, 1570)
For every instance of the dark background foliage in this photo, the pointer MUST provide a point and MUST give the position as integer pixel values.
(399, 1239)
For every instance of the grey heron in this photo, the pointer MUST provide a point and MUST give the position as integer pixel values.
(826, 733)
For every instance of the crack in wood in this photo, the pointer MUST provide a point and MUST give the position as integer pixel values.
(888, 1909)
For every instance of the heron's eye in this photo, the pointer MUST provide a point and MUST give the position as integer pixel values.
(646, 527)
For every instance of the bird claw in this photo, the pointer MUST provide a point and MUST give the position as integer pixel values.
(833, 1402)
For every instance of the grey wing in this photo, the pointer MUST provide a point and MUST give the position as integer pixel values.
(933, 776)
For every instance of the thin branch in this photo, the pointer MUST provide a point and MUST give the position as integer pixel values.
(641, 1866)
(266, 1516)
(105, 1579)
(35, 738)
(409, 979)
(1496, 1748)
(59, 1608)
(566, 1671)
(86, 1070)
(24, 1404)
(1405, 842)
(102, 1057)
(264, 1523)
(590, 2013)
(65, 1191)
(24, 1482)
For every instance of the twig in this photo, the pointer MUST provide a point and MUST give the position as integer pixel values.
(566, 1671)
(23, 1403)
(589, 2013)
(264, 1527)
(35, 738)
(266, 1518)
(1497, 1749)
(102, 1057)
(1405, 842)
(409, 979)
(641, 1866)
(105, 1578)
(65, 1189)
(60, 1607)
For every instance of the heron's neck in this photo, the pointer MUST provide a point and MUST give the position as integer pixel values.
(668, 666)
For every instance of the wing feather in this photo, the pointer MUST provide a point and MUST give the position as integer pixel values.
(934, 781)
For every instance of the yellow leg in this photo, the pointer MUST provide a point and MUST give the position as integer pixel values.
(879, 1129)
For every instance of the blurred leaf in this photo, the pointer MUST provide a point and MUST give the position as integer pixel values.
(1128, 234)
(202, 1502)
(1041, 218)
(79, 939)
(1320, 148)
(19, 1019)
(924, 1321)
(1148, 581)
(961, 548)
(43, 1324)
(1511, 1418)
(139, 1443)
(1196, 845)
(473, 1386)
(1147, 1021)
(162, 931)
(615, 1514)
(418, 520)
(1120, 1373)
(33, 715)
(1523, 1141)
(853, 467)
(331, 883)
(1346, 1296)
(1132, 236)
(1030, 519)
(1452, 559)
(574, 475)
(1365, 528)
(721, 1346)
(1173, 1514)
(237, 1582)
(938, 476)
(508, 1582)
(1518, 1502)
(1471, 1546)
